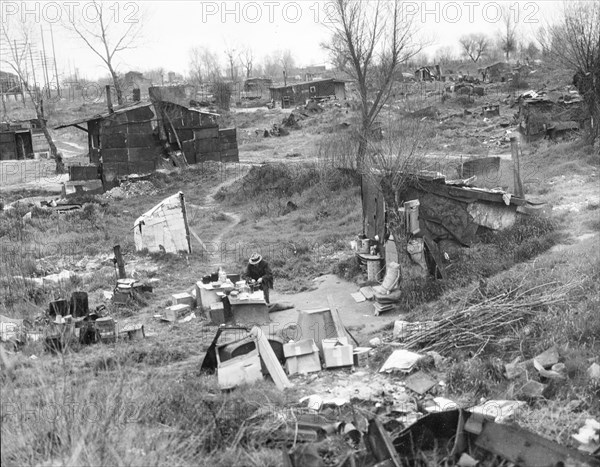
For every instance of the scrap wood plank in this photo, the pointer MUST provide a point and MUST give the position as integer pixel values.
(337, 322)
(381, 444)
(358, 297)
(195, 235)
(368, 292)
(436, 255)
(270, 359)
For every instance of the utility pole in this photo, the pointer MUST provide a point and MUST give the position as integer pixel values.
(21, 83)
(33, 72)
(54, 57)
(45, 63)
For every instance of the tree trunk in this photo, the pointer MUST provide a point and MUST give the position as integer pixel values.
(115, 79)
(60, 165)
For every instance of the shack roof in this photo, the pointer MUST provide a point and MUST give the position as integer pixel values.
(102, 116)
(436, 183)
(125, 109)
(304, 83)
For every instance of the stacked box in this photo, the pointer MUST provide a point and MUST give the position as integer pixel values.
(302, 357)
(183, 298)
(361, 356)
(337, 352)
(106, 329)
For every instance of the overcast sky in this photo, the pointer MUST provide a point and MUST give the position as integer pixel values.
(170, 28)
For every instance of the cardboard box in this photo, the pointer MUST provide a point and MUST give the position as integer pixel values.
(303, 364)
(337, 352)
(239, 370)
(106, 327)
(361, 356)
(302, 357)
(298, 348)
(175, 312)
(217, 314)
(184, 299)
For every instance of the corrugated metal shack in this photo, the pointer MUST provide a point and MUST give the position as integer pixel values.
(299, 93)
(22, 139)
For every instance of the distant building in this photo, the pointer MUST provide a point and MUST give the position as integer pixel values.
(9, 83)
(256, 88)
(498, 72)
(299, 93)
(135, 80)
(427, 73)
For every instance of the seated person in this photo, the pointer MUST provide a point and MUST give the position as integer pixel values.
(260, 271)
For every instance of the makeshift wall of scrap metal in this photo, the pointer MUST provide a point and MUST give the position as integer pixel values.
(163, 228)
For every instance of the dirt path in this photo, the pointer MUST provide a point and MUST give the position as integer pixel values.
(210, 203)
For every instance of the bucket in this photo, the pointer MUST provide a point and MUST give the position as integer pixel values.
(365, 244)
(373, 268)
(411, 209)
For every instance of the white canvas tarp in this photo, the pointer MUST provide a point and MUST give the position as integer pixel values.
(164, 227)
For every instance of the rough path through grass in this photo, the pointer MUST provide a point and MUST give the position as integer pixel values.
(213, 248)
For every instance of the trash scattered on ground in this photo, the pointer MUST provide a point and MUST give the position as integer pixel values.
(402, 360)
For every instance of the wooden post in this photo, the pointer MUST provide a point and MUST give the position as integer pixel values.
(514, 150)
(185, 222)
(109, 99)
(119, 261)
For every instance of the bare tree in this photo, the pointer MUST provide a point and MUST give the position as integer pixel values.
(337, 52)
(393, 164)
(204, 65)
(574, 43)
(232, 56)
(271, 66)
(18, 44)
(375, 40)
(106, 36)
(508, 35)
(287, 62)
(247, 60)
(474, 46)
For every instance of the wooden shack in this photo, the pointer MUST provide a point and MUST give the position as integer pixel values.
(197, 132)
(137, 139)
(23, 139)
(299, 93)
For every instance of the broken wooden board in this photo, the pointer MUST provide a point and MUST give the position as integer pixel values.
(270, 359)
(368, 292)
(420, 382)
(337, 322)
(358, 297)
(381, 444)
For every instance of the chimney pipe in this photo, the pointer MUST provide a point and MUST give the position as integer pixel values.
(108, 99)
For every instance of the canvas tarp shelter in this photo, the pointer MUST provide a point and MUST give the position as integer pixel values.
(164, 227)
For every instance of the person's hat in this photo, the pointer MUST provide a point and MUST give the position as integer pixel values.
(255, 259)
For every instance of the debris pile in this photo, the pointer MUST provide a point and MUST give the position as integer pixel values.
(483, 323)
(130, 189)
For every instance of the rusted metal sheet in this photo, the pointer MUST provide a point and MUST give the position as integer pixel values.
(528, 449)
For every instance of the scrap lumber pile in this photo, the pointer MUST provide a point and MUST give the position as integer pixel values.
(495, 320)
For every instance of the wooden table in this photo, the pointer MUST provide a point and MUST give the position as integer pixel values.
(206, 295)
(249, 309)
